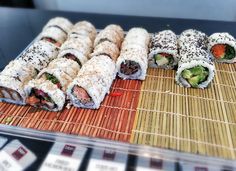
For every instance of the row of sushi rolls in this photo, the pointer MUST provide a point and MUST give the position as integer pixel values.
(75, 64)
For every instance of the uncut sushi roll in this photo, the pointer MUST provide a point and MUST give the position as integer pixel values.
(56, 30)
(44, 94)
(163, 50)
(39, 54)
(92, 82)
(133, 62)
(57, 76)
(112, 33)
(83, 28)
(195, 66)
(12, 81)
(222, 47)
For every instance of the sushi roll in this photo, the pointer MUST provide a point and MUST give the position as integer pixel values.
(163, 50)
(106, 48)
(12, 81)
(56, 30)
(62, 23)
(92, 82)
(60, 72)
(83, 28)
(222, 47)
(112, 33)
(39, 54)
(133, 60)
(75, 49)
(195, 66)
(44, 94)
(136, 37)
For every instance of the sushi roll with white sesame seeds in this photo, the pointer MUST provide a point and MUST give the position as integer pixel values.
(56, 31)
(163, 50)
(12, 80)
(133, 60)
(222, 47)
(92, 82)
(195, 66)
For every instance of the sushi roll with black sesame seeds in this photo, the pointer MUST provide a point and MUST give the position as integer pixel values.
(92, 82)
(195, 66)
(39, 54)
(222, 47)
(12, 81)
(163, 50)
(133, 62)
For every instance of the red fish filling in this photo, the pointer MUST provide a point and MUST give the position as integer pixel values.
(82, 95)
(51, 41)
(72, 57)
(129, 67)
(39, 98)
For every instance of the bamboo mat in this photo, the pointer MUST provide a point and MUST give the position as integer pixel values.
(114, 119)
(154, 112)
(187, 119)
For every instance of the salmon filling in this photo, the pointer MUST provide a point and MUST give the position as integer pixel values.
(10, 94)
(40, 99)
(48, 39)
(130, 68)
(82, 95)
(72, 57)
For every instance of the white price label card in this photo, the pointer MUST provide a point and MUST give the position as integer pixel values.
(15, 157)
(64, 157)
(107, 160)
(3, 141)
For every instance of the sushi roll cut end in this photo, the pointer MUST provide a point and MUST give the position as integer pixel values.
(130, 68)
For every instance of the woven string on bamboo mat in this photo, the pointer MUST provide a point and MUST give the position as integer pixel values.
(114, 119)
(187, 119)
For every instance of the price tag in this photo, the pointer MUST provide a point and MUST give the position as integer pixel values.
(188, 166)
(63, 157)
(154, 164)
(3, 141)
(15, 157)
(107, 160)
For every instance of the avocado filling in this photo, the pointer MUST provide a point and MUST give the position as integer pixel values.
(162, 59)
(53, 79)
(195, 75)
(73, 57)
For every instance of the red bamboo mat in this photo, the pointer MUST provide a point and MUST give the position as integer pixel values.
(114, 120)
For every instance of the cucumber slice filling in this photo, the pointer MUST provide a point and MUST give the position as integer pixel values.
(165, 59)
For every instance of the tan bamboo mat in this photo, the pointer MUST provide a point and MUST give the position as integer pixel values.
(114, 120)
(186, 119)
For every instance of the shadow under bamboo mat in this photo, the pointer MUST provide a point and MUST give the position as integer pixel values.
(114, 120)
(186, 119)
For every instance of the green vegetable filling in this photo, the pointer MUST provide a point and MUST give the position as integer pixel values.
(229, 52)
(52, 78)
(161, 59)
(195, 75)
